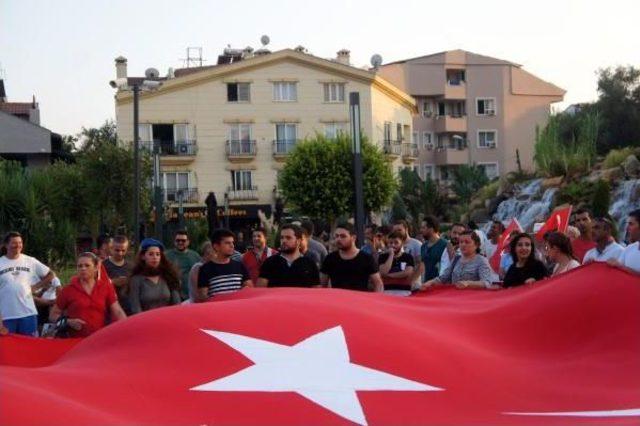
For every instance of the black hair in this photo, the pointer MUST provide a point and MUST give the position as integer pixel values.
(102, 239)
(120, 239)
(8, 237)
(297, 230)
(432, 222)
(582, 211)
(562, 242)
(308, 226)
(635, 214)
(474, 237)
(220, 234)
(347, 227)
(181, 232)
(514, 243)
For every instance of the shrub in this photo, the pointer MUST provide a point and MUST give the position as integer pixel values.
(601, 198)
(616, 157)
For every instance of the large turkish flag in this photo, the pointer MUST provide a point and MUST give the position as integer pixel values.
(561, 352)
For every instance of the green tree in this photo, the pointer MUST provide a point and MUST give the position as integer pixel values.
(467, 180)
(317, 180)
(619, 106)
(419, 198)
(601, 198)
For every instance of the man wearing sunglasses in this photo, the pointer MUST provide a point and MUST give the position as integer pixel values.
(183, 258)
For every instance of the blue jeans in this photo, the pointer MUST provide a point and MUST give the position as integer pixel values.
(25, 325)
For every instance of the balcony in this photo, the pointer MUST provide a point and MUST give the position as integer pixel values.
(451, 124)
(452, 154)
(282, 148)
(409, 152)
(241, 150)
(184, 195)
(242, 194)
(392, 148)
(172, 152)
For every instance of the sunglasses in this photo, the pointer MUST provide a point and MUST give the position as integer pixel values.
(180, 240)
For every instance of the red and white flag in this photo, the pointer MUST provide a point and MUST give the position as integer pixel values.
(558, 222)
(560, 352)
(503, 244)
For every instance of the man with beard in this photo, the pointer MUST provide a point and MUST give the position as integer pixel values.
(396, 266)
(432, 249)
(183, 258)
(222, 274)
(255, 257)
(584, 242)
(452, 247)
(348, 267)
(289, 268)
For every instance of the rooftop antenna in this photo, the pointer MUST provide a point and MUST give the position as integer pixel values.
(194, 57)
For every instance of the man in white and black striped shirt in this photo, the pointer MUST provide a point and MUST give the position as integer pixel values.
(222, 274)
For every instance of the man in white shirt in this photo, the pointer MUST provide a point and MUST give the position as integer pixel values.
(20, 277)
(629, 260)
(452, 248)
(606, 247)
(491, 244)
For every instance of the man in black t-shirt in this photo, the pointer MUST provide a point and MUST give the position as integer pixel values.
(396, 265)
(289, 268)
(222, 275)
(349, 267)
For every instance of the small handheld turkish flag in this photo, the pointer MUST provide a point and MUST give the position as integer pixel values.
(503, 243)
(558, 221)
(563, 351)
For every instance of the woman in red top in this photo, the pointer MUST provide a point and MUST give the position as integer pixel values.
(87, 298)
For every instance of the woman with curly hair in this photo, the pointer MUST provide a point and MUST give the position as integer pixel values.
(154, 281)
(560, 252)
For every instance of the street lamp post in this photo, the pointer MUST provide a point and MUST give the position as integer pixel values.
(122, 84)
(354, 112)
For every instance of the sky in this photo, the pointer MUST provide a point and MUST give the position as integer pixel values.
(63, 51)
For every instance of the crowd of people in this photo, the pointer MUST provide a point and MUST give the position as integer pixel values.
(109, 287)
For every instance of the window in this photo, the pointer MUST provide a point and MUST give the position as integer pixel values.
(428, 171)
(426, 109)
(240, 132)
(458, 109)
(487, 138)
(286, 132)
(415, 138)
(334, 92)
(486, 106)
(238, 92)
(442, 108)
(332, 130)
(285, 91)
(456, 77)
(387, 132)
(241, 180)
(490, 170)
(399, 132)
(145, 132)
(427, 140)
(176, 184)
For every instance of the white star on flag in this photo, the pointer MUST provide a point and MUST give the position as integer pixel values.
(318, 368)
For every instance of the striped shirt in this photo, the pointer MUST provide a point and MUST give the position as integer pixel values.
(221, 278)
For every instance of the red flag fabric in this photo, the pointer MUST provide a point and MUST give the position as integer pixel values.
(558, 221)
(503, 243)
(563, 351)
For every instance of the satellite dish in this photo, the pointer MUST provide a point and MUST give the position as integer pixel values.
(152, 73)
(376, 61)
(265, 40)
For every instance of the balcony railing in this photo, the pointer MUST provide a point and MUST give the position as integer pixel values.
(241, 148)
(242, 194)
(187, 195)
(410, 150)
(283, 147)
(392, 148)
(181, 148)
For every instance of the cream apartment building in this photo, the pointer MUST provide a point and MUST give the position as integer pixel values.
(472, 109)
(228, 128)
